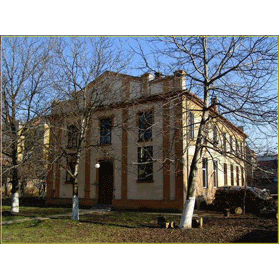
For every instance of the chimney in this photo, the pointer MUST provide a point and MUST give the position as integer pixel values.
(158, 75)
(146, 78)
(179, 80)
(179, 73)
(214, 102)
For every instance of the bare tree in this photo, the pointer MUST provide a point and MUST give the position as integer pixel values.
(25, 97)
(240, 72)
(78, 64)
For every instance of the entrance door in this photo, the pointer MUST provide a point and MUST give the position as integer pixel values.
(105, 190)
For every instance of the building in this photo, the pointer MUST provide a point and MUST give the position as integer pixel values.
(267, 173)
(32, 149)
(251, 167)
(139, 145)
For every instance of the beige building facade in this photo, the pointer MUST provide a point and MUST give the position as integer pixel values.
(138, 148)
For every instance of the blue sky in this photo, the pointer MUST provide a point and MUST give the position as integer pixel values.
(264, 138)
(137, 68)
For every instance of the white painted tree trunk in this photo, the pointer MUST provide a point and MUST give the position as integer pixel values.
(186, 219)
(75, 208)
(15, 203)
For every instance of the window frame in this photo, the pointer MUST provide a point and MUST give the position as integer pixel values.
(73, 136)
(242, 176)
(231, 175)
(107, 130)
(145, 165)
(237, 176)
(205, 173)
(191, 125)
(215, 135)
(224, 142)
(73, 158)
(237, 147)
(231, 143)
(225, 174)
(145, 133)
(215, 173)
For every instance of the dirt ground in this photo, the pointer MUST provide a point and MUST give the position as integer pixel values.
(246, 228)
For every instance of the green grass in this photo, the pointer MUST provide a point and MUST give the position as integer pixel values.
(109, 227)
(131, 227)
(32, 212)
(52, 231)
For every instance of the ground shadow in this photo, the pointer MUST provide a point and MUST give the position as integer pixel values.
(107, 224)
(118, 225)
(34, 223)
(259, 236)
(7, 214)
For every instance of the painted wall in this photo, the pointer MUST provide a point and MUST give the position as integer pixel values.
(88, 181)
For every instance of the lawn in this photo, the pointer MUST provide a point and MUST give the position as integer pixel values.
(136, 227)
(31, 212)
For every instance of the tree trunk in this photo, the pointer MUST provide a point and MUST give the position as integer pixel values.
(186, 219)
(75, 205)
(15, 202)
(15, 192)
(15, 177)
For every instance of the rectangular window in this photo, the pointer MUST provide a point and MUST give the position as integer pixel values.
(237, 175)
(215, 135)
(215, 173)
(231, 175)
(205, 172)
(145, 164)
(105, 131)
(73, 136)
(71, 162)
(191, 125)
(230, 143)
(225, 174)
(205, 134)
(242, 176)
(241, 150)
(145, 121)
(237, 147)
(224, 142)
